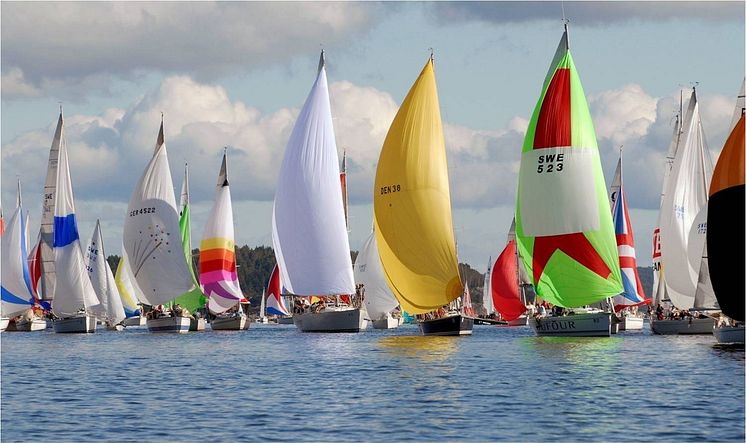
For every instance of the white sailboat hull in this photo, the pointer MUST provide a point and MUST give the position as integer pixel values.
(631, 323)
(694, 326)
(387, 322)
(135, 321)
(37, 324)
(230, 324)
(729, 334)
(169, 324)
(197, 324)
(81, 324)
(345, 320)
(578, 325)
(4, 321)
(520, 321)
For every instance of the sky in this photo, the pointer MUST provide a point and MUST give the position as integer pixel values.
(236, 73)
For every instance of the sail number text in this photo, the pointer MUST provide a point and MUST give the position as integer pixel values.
(390, 189)
(142, 211)
(550, 163)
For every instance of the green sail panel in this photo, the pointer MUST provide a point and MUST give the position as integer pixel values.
(564, 229)
(195, 298)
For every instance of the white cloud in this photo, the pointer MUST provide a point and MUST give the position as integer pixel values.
(74, 46)
(13, 85)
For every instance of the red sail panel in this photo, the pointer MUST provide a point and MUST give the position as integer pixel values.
(554, 125)
(504, 284)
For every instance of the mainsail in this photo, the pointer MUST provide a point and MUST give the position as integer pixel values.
(563, 221)
(487, 303)
(633, 294)
(47, 215)
(275, 303)
(151, 234)
(16, 291)
(73, 289)
(725, 225)
(308, 223)
(379, 300)
(412, 204)
(195, 298)
(102, 278)
(685, 197)
(217, 262)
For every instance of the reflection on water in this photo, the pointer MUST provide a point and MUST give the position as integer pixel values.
(425, 348)
(729, 351)
(595, 351)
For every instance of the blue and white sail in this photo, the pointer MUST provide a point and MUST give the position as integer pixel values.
(16, 290)
(74, 293)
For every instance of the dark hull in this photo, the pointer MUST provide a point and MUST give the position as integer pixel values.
(453, 325)
(725, 239)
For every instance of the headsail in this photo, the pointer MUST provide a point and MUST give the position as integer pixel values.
(217, 262)
(73, 289)
(685, 197)
(412, 204)
(102, 278)
(16, 291)
(563, 221)
(725, 225)
(308, 223)
(379, 300)
(151, 234)
(505, 281)
(275, 303)
(633, 294)
(195, 298)
(127, 286)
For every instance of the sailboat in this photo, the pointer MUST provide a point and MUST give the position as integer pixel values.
(506, 290)
(16, 293)
(103, 281)
(194, 299)
(683, 226)
(75, 302)
(564, 231)
(633, 295)
(128, 291)
(725, 232)
(275, 304)
(152, 244)
(309, 232)
(379, 300)
(412, 214)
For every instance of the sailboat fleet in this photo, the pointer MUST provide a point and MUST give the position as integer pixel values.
(570, 243)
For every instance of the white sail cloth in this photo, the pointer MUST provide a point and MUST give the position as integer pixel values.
(17, 294)
(47, 215)
(379, 300)
(152, 238)
(102, 278)
(308, 223)
(73, 289)
(685, 197)
(487, 302)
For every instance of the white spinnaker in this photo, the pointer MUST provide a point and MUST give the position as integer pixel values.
(102, 278)
(73, 289)
(309, 233)
(152, 238)
(379, 300)
(685, 196)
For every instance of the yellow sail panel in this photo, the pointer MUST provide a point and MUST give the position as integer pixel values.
(412, 204)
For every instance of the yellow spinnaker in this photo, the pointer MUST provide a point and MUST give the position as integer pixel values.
(412, 204)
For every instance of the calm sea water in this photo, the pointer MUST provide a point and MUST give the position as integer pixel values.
(274, 383)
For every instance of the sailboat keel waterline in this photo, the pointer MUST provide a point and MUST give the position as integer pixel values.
(80, 324)
(387, 322)
(332, 320)
(169, 324)
(24, 325)
(691, 326)
(729, 334)
(450, 325)
(576, 325)
(236, 323)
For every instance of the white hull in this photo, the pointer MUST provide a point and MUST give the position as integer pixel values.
(4, 323)
(169, 324)
(614, 327)
(388, 322)
(80, 324)
(135, 321)
(578, 325)
(230, 323)
(346, 320)
(695, 326)
(631, 323)
(37, 324)
(197, 324)
(729, 334)
(520, 321)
